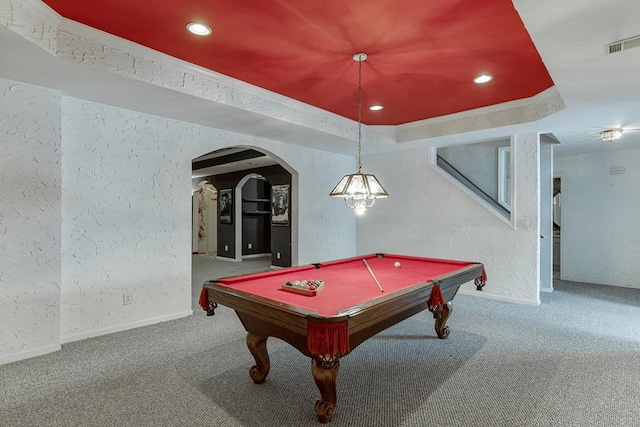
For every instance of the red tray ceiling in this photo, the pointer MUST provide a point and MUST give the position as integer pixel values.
(423, 55)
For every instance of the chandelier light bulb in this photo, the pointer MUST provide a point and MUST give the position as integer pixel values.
(611, 135)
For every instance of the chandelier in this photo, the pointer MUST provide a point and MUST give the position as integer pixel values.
(611, 135)
(359, 190)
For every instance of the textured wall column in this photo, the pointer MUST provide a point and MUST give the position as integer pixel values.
(526, 154)
(126, 222)
(29, 221)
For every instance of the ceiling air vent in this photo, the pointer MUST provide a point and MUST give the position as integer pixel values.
(621, 45)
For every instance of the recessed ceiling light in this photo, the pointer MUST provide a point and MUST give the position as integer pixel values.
(483, 78)
(198, 29)
(376, 107)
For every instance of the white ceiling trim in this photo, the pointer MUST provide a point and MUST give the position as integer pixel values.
(96, 49)
(510, 113)
(32, 20)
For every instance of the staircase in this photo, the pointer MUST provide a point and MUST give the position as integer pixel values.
(460, 177)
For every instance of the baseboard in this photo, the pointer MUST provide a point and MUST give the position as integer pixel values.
(589, 280)
(222, 258)
(27, 354)
(486, 295)
(124, 327)
(250, 256)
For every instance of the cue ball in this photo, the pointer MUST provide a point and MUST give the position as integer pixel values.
(396, 264)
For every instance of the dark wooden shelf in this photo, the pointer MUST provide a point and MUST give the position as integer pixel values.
(256, 212)
(256, 200)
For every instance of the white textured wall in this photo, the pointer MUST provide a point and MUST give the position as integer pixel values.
(600, 229)
(29, 220)
(126, 219)
(427, 215)
(104, 209)
(110, 189)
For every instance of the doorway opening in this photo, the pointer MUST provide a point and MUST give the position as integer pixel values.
(263, 221)
(255, 216)
(557, 226)
(204, 225)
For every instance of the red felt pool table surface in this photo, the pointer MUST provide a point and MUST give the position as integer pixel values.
(347, 282)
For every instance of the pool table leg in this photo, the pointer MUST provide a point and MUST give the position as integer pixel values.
(441, 319)
(258, 348)
(324, 372)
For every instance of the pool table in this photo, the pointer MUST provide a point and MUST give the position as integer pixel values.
(359, 297)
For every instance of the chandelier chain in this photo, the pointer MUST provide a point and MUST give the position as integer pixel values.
(359, 114)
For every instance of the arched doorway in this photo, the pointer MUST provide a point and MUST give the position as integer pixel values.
(224, 169)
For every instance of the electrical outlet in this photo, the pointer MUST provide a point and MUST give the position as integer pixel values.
(278, 255)
(250, 245)
(226, 247)
(127, 298)
(617, 170)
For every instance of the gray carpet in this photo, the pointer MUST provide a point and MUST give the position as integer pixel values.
(573, 361)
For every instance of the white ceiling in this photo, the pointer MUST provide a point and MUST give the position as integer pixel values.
(600, 91)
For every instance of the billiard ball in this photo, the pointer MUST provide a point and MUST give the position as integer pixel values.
(396, 264)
